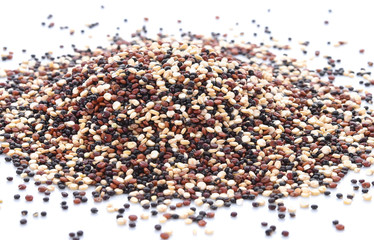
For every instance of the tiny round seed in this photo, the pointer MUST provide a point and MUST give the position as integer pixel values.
(121, 221)
(339, 227)
(208, 231)
(285, 233)
(29, 198)
(314, 206)
(164, 235)
(367, 197)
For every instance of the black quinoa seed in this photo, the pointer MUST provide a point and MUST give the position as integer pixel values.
(94, 210)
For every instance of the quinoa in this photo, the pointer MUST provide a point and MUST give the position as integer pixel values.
(162, 119)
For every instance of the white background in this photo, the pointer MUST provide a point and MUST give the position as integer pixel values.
(351, 21)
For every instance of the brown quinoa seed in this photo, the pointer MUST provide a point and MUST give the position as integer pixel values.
(133, 217)
(29, 198)
(339, 227)
(164, 236)
(201, 223)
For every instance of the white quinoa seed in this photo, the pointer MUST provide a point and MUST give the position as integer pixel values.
(209, 231)
(116, 105)
(121, 221)
(367, 196)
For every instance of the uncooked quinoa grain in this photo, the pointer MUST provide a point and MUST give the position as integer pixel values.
(339, 227)
(29, 198)
(164, 236)
(132, 224)
(285, 233)
(234, 214)
(314, 206)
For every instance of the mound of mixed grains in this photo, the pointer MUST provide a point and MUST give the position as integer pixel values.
(163, 119)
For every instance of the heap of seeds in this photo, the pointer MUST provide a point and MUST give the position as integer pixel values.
(162, 119)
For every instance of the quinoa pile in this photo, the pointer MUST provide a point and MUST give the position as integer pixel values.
(164, 119)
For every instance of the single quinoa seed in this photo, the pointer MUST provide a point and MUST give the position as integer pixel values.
(94, 210)
(233, 214)
(29, 198)
(285, 233)
(164, 235)
(339, 227)
(314, 206)
(201, 223)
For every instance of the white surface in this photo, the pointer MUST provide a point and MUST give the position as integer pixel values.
(20, 28)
